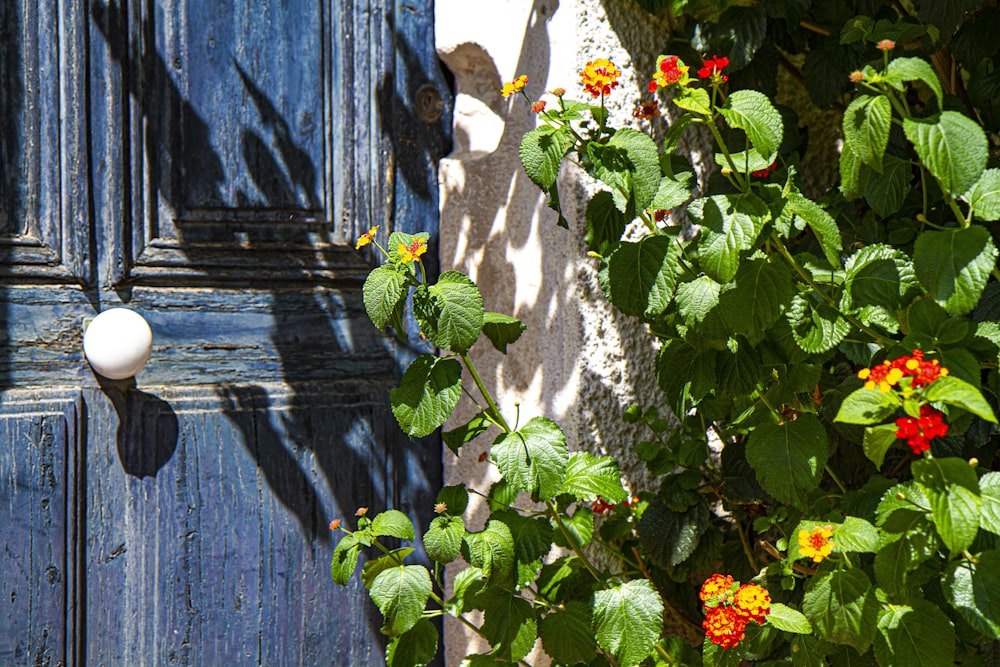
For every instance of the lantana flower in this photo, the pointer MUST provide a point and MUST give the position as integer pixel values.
(753, 603)
(886, 45)
(816, 543)
(918, 432)
(729, 607)
(366, 238)
(515, 86)
(713, 67)
(724, 626)
(647, 110)
(538, 107)
(670, 70)
(600, 77)
(888, 374)
(413, 251)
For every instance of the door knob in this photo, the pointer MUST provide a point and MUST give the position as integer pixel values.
(117, 343)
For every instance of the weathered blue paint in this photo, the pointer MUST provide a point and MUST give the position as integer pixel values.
(206, 163)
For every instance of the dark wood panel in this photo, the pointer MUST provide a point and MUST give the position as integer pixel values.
(40, 436)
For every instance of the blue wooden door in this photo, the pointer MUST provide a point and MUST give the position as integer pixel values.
(208, 164)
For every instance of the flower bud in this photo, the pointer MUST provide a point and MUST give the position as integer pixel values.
(900, 496)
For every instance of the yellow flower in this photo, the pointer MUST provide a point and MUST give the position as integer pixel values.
(599, 77)
(412, 252)
(817, 543)
(515, 86)
(753, 602)
(366, 238)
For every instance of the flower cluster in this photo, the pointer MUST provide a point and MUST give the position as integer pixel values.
(602, 506)
(413, 251)
(888, 374)
(712, 69)
(647, 110)
(816, 543)
(599, 77)
(918, 432)
(538, 107)
(729, 607)
(670, 70)
(515, 86)
(366, 238)
(766, 171)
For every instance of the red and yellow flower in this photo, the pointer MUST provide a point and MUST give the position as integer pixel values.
(600, 77)
(515, 86)
(412, 251)
(919, 371)
(670, 70)
(366, 238)
(729, 607)
(816, 543)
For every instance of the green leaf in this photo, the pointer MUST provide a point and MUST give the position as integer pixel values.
(401, 594)
(642, 276)
(866, 128)
(345, 559)
(681, 368)
(567, 635)
(816, 325)
(669, 538)
(913, 69)
(730, 225)
(822, 225)
(952, 490)
(542, 151)
(429, 390)
(630, 164)
(510, 626)
(415, 647)
(672, 192)
(739, 370)
(789, 458)
(973, 589)
(694, 100)
(533, 458)
(697, 298)
(852, 185)
(605, 223)
(853, 534)
(465, 433)
(455, 499)
(809, 651)
(877, 441)
(443, 539)
(468, 583)
(919, 635)
(989, 493)
(878, 275)
(502, 330)
(788, 619)
(492, 551)
(450, 312)
(984, 197)
(757, 298)
(752, 112)
(384, 294)
(954, 265)
(589, 476)
(842, 607)
(954, 149)
(393, 523)
(952, 391)
(628, 620)
(372, 568)
(886, 192)
(580, 526)
(867, 406)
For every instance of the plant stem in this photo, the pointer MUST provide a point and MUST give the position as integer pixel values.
(500, 421)
(835, 479)
(743, 186)
(696, 628)
(574, 545)
(747, 551)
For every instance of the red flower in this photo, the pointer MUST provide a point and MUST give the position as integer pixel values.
(671, 70)
(714, 66)
(724, 626)
(599, 77)
(538, 107)
(766, 171)
(647, 110)
(601, 506)
(918, 432)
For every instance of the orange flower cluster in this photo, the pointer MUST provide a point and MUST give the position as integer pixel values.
(816, 543)
(888, 374)
(515, 86)
(599, 77)
(670, 70)
(729, 607)
(918, 432)
(538, 107)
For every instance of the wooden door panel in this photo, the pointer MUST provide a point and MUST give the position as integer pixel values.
(40, 433)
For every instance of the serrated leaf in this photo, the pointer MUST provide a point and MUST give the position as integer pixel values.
(877, 442)
(580, 527)
(919, 635)
(345, 559)
(455, 499)
(589, 476)
(415, 647)
(465, 433)
(697, 298)
(816, 326)
(757, 297)
(730, 225)
(878, 275)
(605, 223)
(842, 607)
(822, 225)
(542, 151)
(628, 620)
(785, 618)
(984, 197)
(681, 367)
(789, 458)
(428, 392)
(533, 458)
(954, 149)
(532, 535)
(852, 185)
(372, 568)
(384, 294)
(567, 635)
(630, 164)
(989, 494)
(867, 406)
(672, 192)
(669, 538)
(809, 651)
(468, 583)
(642, 276)
(886, 192)
(954, 265)
(752, 112)
(901, 70)
(401, 594)
(973, 589)
(866, 128)
(952, 490)
(952, 391)
(739, 370)
(450, 312)
(502, 330)
(443, 539)
(492, 551)
(509, 623)
(392, 523)
(695, 100)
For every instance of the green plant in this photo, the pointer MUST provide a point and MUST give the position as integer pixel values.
(841, 354)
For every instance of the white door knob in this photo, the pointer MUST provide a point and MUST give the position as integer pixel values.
(118, 343)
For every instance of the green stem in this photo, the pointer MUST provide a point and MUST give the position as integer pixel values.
(767, 403)
(836, 480)
(574, 545)
(743, 186)
(500, 421)
(953, 205)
